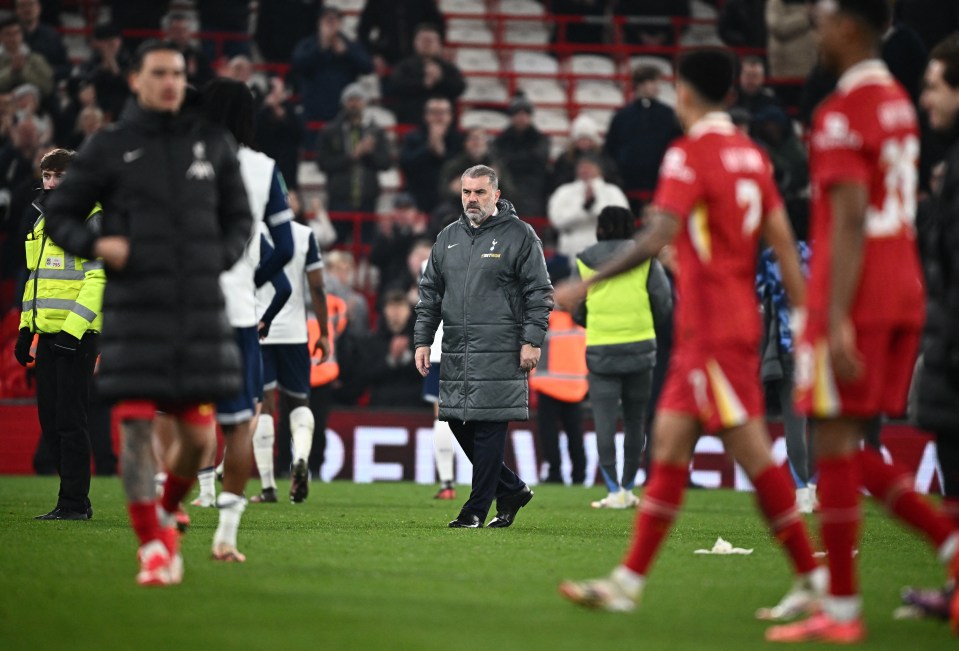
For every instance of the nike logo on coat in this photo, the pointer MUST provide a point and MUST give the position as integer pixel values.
(132, 155)
(450, 246)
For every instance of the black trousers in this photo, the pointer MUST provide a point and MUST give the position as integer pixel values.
(570, 414)
(63, 402)
(484, 443)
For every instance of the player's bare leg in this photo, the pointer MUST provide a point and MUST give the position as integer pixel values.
(674, 438)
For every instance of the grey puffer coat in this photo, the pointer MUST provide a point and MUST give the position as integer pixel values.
(490, 288)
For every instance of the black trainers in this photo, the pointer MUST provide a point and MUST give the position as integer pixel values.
(64, 514)
(300, 486)
(267, 496)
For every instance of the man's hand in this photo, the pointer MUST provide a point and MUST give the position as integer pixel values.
(21, 351)
(432, 73)
(423, 360)
(114, 249)
(263, 329)
(568, 295)
(399, 346)
(323, 345)
(847, 362)
(528, 357)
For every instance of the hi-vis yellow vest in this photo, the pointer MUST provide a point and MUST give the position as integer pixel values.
(617, 309)
(63, 292)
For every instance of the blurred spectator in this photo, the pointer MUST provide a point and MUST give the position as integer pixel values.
(574, 207)
(316, 218)
(352, 151)
(18, 64)
(324, 64)
(396, 232)
(17, 159)
(741, 119)
(640, 133)
(80, 95)
(181, 30)
(422, 75)
(240, 68)
(279, 131)
(752, 93)
(741, 23)
(651, 22)
(415, 263)
(42, 39)
(387, 356)
(476, 151)
(558, 266)
(26, 105)
(427, 149)
(772, 129)
(593, 31)
(387, 28)
(523, 151)
(584, 138)
(106, 70)
(932, 20)
(283, 26)
(89, 121)
(339, 273)
(229, 17)
(449, 208)
(905, 55)
(138, 15)
(792, 40)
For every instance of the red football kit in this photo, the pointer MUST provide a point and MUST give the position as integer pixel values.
(865, 133)
(720, 186)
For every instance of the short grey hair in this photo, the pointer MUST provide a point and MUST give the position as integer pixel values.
(477, 171)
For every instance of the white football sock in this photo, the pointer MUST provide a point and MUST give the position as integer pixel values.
(207, 482)
(159, 479)
(443, 449)
(231, 507)
(263, 450)
(631, 582)
(301, 430)
(843, 609)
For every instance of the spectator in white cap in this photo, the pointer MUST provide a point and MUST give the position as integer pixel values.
(351, 151)
(584, 138)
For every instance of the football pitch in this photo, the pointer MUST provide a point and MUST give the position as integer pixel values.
(373, 566)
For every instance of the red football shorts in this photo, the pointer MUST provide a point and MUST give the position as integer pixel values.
(719, 386)
(194, 414)
(889, 358)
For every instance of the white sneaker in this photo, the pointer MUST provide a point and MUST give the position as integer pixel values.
(604, 594)
(804, 500)
(204, 501)
(631, 500)
(154, 564)
(617, 500)
(804, 598)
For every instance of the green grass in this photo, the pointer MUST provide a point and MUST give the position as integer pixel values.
(374, 567)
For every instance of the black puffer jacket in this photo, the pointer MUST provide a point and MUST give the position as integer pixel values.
(938, 405)
(490, 288)
(172, 185)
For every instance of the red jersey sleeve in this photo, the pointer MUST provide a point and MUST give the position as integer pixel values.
(840, 149)
(679, 186)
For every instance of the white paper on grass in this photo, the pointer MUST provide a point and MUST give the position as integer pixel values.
(724, 547)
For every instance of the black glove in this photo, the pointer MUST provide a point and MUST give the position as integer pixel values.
(22, 350)
(263, 329)
(65, 345)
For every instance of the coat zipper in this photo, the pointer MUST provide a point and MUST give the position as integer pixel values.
(466, 337)
(36, 278)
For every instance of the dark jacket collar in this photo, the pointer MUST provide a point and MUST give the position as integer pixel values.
(135, 114)
(504, 211)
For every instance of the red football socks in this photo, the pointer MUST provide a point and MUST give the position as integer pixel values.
(950, 509)
(657, 511)
(839, 516)
(777, 500)
(893, 486)
(174, 490)
(143, 517)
